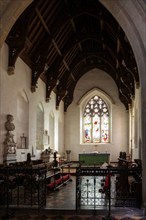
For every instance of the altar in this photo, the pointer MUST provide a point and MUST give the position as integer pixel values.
(95, 158)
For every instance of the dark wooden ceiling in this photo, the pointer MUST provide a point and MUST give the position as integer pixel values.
(61, 40)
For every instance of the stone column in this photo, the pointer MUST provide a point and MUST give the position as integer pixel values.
(143, 153)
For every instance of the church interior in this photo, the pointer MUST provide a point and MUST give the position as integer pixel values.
(73, 109)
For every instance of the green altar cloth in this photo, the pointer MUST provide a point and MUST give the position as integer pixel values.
(94, 158)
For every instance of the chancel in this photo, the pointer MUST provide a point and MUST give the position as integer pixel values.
(72, 108)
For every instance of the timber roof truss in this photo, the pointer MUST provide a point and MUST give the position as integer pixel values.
(61, 40)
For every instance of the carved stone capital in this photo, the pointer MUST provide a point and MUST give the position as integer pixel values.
(11, 70)
(33, 88)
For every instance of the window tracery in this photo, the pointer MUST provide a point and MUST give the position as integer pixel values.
(96, 121)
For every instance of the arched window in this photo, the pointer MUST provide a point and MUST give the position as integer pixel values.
(51, 130)
(22, 119)
(39, 127)
(96, 121)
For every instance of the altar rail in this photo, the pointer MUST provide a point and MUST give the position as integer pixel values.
(112, 186)
(22, 187)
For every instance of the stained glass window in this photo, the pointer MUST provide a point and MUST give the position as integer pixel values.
(96, 121)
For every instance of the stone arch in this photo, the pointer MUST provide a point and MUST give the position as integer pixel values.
(10, 11)
(83, 102)
(125, 13)
(92, 92)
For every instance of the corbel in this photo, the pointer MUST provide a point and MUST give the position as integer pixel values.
(49, 87)
(16, 46)
(37, 69)
(67, 101)
(61, 93)
(61, 89)
(16, 39)
(39, 62)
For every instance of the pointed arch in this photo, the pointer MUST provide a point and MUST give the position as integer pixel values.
(95, 115)
(51, 129)
(22, 117)
(39, 126)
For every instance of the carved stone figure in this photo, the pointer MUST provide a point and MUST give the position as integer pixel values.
(9, 124)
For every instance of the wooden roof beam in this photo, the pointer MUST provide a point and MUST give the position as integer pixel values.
(17, 38)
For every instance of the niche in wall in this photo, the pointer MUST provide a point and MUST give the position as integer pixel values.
(60, 136)
(22, 120)
(39, 127)
(51, 130)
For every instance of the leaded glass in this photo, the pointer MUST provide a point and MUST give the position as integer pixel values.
(105, 128)
(87, 128)
(96, 121)
(96, 128)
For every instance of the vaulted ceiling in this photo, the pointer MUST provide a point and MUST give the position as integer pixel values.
(61, 40)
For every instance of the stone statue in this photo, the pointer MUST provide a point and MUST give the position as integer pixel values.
(9, 124)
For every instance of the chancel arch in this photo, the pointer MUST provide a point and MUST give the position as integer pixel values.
(125, 13)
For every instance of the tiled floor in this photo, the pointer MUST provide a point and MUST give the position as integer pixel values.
(61, 206)
(64, 198)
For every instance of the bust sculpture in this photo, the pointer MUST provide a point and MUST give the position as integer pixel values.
(9, 124)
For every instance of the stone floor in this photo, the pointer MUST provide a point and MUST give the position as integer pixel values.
(27, 215)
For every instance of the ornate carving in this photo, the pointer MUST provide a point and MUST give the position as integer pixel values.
(46, 154)
(9, 143)
(11, 70)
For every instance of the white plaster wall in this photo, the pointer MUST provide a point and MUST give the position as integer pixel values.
(97, 79)
(10, 86)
